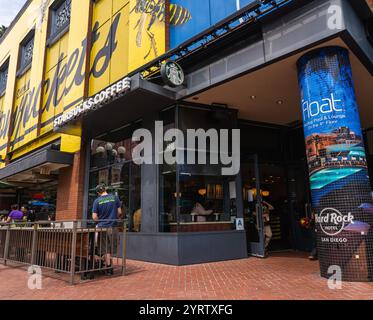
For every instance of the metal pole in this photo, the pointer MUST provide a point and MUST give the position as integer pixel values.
(6, 249)
(33, 246)
(73, 253)
(124, 247)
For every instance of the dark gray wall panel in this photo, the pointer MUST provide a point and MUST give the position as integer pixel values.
(213, 246)
(355, 27)
(299, 29)
(237, 63)
(187, 248)
(149, 186)
(159, 248)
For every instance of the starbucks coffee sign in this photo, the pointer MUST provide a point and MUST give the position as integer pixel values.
(101, 98)
(172, 74)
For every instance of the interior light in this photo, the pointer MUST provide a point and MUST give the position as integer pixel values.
(100, 150)
(280, 102)
(265, 193)
(122, 150)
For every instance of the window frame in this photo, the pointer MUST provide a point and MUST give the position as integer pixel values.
(4, 68)
(54, 34)
(228, 205)
(23, 68)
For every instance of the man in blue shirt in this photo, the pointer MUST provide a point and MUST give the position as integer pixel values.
(106, 210)
(106, 207)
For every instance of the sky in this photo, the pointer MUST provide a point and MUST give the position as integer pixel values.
(9, 9)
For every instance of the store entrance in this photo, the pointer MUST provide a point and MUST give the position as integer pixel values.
(276, 203)
(253, 213)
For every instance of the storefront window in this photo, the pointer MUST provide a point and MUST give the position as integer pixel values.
(61, 14)
(111, 164)
(196, 197)
(26, 51)
(3, 77)
(206, 198)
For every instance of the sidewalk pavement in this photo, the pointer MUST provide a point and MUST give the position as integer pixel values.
(281, 276)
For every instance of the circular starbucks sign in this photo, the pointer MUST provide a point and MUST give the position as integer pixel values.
(172, 74)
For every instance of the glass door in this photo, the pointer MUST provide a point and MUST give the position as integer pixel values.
(253, 213)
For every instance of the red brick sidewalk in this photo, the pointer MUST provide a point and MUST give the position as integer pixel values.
(282, 276)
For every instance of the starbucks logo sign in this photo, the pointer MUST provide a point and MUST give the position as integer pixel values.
(172, 74)
(332, 222)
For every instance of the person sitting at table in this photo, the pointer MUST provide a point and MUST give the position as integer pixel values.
(15, 215)
(201, 212)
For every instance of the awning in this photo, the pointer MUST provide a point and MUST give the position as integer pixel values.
(143, 98)
(6, 186)
(38, 167)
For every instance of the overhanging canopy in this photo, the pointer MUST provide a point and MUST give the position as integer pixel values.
(27, 169)
(144, 98)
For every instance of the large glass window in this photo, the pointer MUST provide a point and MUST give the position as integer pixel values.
(111, 164)
(196, 197)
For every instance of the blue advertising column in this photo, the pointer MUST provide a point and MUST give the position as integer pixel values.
(340, 186)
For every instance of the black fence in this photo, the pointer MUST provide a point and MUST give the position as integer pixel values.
(74, 248)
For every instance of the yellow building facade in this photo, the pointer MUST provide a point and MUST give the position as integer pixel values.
(55, 55)
(75, 49)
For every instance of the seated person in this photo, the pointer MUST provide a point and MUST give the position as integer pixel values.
(201, 212)
(15, 215)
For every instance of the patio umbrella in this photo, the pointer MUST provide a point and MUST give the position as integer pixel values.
(39, 204)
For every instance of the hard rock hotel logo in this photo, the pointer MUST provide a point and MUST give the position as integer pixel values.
(332, 222)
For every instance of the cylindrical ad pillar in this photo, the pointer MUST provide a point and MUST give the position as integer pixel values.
(337, 163)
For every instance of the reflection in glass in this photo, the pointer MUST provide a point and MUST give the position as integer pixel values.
(111, 164)
(196, 197)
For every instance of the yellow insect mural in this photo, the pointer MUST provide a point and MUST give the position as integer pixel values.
(156, 10)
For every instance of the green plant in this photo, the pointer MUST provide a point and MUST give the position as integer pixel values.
(2, 30)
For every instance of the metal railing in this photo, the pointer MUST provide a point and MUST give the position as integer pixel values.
(75, 248)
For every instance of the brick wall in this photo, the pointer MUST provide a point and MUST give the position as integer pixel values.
(70, 190)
